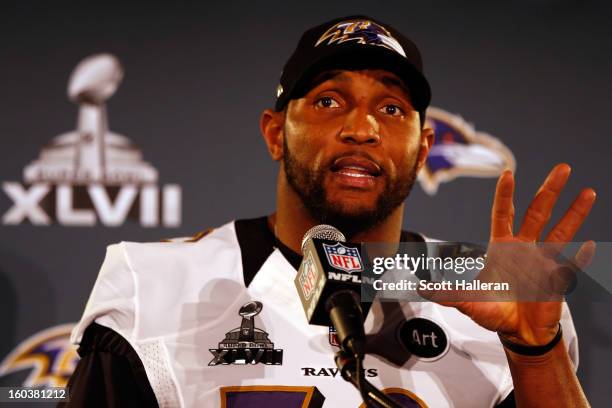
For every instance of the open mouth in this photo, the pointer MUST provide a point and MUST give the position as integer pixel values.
(354, 166)
(356, 171)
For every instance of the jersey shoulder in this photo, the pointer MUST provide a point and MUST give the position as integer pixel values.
(140, 284)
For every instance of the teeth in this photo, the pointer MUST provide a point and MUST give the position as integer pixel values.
(353, 174)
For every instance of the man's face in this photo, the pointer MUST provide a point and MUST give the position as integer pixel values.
(351, 148)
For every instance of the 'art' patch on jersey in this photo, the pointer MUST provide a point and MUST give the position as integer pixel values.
(423, 338)
(49, 356)
(459, 150)
(343, 258)
(361, 31)
(247, 344)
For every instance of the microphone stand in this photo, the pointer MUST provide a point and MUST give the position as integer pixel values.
(350, 367)
(346, 316)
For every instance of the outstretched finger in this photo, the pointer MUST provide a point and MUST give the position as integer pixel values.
(541, 207)
(565, 278)
(573, 218)
(502, 213)
(585, 254)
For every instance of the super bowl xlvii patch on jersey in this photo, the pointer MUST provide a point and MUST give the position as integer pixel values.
(247, 344)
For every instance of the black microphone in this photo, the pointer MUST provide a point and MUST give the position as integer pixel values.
(329, 265)
(329, 286)
(345, 314)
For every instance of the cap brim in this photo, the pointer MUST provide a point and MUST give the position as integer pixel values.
(357, 57)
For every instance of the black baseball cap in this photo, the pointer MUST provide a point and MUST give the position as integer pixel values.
(353, 43)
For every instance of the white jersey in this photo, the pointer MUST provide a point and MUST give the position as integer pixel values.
(178, 306)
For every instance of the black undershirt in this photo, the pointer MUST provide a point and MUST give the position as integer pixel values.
(257, 242)
(110, 373)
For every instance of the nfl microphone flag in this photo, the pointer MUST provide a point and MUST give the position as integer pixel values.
(328, 267)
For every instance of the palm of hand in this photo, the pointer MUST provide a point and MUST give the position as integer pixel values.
(517, 259)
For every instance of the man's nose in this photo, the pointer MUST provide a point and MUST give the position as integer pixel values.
(360, 127)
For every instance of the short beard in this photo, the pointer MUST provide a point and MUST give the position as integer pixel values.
(308, 185)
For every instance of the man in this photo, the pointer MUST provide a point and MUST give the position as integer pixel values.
(161, 325)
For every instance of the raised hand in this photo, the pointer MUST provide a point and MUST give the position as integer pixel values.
(530, 267)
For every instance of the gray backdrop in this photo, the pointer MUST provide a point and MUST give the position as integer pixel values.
(536, 74)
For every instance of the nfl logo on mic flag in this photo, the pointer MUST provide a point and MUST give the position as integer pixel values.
(343, 258)
(308, 277)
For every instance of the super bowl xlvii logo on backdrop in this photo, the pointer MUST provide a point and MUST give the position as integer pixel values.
(459, 150)
(92, 174)
(247, 344)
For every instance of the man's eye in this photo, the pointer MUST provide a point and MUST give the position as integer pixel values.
(392, 110)
(327, 102)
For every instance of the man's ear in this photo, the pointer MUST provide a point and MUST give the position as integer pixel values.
(427, 140)
(271, 125)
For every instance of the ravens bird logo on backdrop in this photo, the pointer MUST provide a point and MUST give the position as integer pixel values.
(459, 150)
(48, 354)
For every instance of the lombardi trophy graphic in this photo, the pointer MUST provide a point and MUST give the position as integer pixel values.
(92, 153)
(247, 344)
